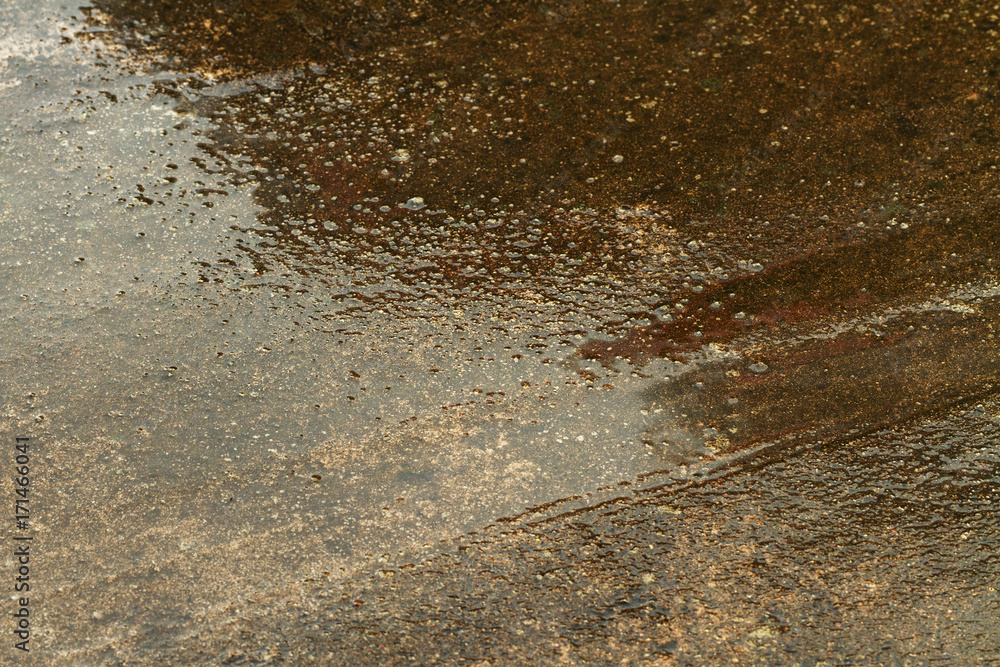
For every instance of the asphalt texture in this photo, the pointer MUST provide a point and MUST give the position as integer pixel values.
(523, 333)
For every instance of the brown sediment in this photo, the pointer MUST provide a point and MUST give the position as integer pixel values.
(828, 387)
(845, 281)
(833, 133)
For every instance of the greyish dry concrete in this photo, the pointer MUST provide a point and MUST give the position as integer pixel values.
(586, 333)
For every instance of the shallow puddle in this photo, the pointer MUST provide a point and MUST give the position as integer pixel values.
(296, 303)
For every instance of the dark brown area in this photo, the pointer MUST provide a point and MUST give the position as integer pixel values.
(842, 282)
(778, 132)
(828, 387)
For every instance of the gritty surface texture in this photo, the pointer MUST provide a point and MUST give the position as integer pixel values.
(299, 292)
(881, 550)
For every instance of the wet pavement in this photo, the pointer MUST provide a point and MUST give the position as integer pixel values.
(883, 553)
(573, 332)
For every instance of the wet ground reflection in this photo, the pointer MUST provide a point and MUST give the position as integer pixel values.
(880, 550)
(312, 287)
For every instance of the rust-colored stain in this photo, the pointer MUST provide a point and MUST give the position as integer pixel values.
(846, 281)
